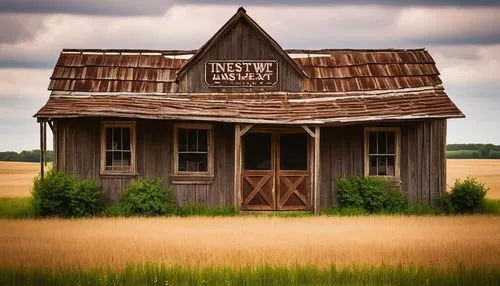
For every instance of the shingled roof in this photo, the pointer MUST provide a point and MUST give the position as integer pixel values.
(147, 71)
(337, 86)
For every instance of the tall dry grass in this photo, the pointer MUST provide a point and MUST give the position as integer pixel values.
(485, 170)
(16, 178)
(443, 242)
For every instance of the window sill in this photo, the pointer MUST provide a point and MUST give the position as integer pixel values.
(117, 175)
(191, 179)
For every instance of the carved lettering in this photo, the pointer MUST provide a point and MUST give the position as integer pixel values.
(241, 73)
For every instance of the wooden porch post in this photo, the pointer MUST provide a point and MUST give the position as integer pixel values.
(237, 170)
(317, 172)
(42, 153)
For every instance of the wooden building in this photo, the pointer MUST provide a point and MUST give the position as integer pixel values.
(241, 122)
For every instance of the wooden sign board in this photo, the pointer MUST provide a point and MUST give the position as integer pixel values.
(241, 73)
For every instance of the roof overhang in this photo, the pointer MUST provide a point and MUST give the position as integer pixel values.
(258, 108)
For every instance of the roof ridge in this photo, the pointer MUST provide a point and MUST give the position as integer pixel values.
(193, 51)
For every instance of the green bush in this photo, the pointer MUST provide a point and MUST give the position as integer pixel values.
(349, 192)
(85, 198)
(466, 196)
(373, 194)
(59, 194)
(147, 198)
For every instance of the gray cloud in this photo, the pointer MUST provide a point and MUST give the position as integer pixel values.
(159, 7)
(88, 7)
(19, 27)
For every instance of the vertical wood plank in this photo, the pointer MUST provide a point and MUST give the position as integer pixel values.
(42, 173)
(237, 167)
(317, 171)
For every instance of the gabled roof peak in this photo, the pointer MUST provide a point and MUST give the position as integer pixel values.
(242, 10)
(238, 16)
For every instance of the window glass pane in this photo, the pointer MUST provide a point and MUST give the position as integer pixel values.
(372, 141)
(109, 158)
(127, 158)
(391, 142)
(382, 142)
(293, 151)
(382, 166)
(117, 158)
(373, 166)
(182, 139)
(390, 166)
(202, 140)
(193, 162)
(126, 138)
(192, 140)
(257, 151)
(117, 144)
(109, 138)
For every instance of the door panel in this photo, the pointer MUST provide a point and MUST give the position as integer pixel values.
(258, 190)
(258, 175)
(276, 173)
(294, 190)
(294, 177)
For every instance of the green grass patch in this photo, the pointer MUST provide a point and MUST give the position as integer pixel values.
(490, 207)
(349, 211)
(154, 274)
(278, 213)
(199, 210)
(21, 207)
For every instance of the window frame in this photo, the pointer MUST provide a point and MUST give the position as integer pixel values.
(133, 160)
(190, 177)
(397, 151)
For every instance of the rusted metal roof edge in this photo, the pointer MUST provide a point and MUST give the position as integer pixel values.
(74, 94)
(258, 121)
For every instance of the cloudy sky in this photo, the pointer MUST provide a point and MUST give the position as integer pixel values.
(463, 37)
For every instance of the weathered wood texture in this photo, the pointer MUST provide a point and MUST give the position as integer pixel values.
(78, 154)
(241, 43)
(422, 162)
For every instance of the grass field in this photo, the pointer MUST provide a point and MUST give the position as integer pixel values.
(442, 242)
(16, 178)
(485, 170)
(430, 250)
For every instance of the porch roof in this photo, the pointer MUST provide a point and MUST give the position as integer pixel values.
(268, 108)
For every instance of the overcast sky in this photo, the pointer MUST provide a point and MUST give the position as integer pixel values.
(462, 36)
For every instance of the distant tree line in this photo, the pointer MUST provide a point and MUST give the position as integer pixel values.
(472, 151)
(25, 156)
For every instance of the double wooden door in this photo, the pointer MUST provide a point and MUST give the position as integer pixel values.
(275, 171)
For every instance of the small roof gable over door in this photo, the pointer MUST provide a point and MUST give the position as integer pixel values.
(230, 24)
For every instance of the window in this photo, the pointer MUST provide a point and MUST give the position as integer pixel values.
(193, 159)
(382, 151)
(118, 148)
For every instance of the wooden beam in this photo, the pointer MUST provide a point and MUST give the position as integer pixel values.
(45, 143)
(51, 125)
(245, 129)
(41, 150)
(309, 131)
(54, 146)
(237, 167)
(317, 172)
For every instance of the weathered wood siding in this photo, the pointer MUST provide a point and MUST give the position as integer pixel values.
(422, 162)
(78, 153)
(241, 43)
